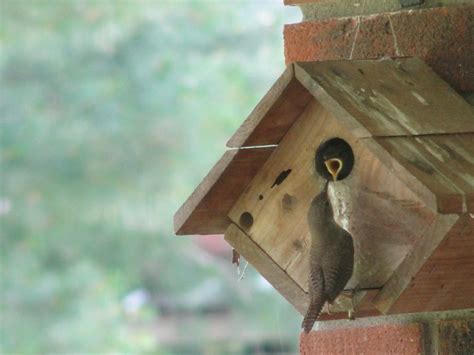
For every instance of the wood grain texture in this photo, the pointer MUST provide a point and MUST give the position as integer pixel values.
(402, 97)
(370, 203)
(267, 267)
(287, 287)
(444, 164)
(205, 211)
(446, 279)
(412, 263)
(274, 114)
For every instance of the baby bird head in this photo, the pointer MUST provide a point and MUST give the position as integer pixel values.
(334, 166)
(334, 159)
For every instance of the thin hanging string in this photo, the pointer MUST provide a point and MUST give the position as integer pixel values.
(357, 30)
(242, 274)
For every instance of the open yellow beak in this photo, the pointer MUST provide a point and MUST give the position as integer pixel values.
(334, 167)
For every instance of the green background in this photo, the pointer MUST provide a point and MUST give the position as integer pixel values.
(111, 113)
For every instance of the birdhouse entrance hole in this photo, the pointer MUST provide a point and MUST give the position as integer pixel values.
(335, 154)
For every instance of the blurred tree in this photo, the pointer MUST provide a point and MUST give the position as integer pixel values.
(111, 112)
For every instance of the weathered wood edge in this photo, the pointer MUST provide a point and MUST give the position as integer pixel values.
(184, 212)
(413, 262)
(265, 265)
(329, 102)
(184, 216)
(364, 124)
(258, 113)
(456, 202)
(274, 114)
(446, 283)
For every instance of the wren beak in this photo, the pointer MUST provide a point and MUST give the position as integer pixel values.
(334, 166)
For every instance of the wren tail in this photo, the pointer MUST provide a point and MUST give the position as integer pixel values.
(314, 310)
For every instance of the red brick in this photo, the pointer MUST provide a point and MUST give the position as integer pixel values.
(443, 37)
(383, 339)
(456, 337)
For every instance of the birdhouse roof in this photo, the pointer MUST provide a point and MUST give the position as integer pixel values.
(377, 99)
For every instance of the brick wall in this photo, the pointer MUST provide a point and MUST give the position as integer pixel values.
(441, 32)
(382, 339)
(442, 36)
(428, 334)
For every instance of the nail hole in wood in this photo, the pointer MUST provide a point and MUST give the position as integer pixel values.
(280, 178)
(246, 220)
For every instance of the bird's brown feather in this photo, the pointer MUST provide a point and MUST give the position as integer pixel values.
(317, 298)
(339, 267)
(331, 258)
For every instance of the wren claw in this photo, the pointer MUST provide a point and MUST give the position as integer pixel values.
(326, 308)
(351, 312)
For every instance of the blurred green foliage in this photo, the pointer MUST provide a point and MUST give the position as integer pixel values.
(111, 113)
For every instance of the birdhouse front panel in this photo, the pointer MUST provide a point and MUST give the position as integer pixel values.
(370, 204)
(407, 200)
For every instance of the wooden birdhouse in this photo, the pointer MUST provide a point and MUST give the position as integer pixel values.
(408, 201)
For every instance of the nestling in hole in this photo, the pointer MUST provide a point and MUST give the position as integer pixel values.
(334, 167)
(334, 159)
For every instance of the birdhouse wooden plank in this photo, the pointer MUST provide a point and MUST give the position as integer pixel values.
(407, 202)
(442, 281)
(274, 115)
(445, 279)
(389, 98)
(267, 267)
(444, 164)
(205, 211)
